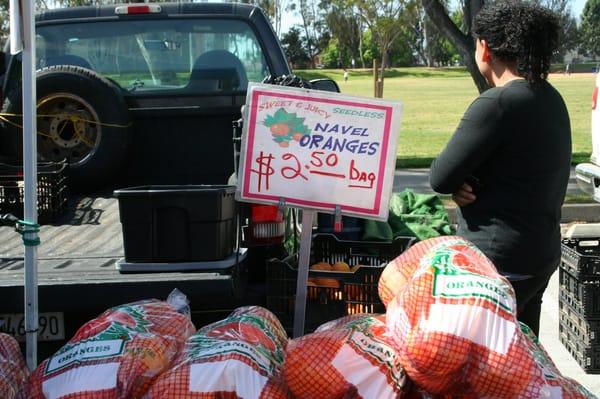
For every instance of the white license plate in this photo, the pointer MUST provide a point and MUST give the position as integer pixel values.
(51, 326)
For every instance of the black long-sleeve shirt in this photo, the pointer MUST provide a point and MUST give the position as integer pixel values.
(516, 140)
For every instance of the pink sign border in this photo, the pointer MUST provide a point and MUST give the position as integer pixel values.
(323, 205)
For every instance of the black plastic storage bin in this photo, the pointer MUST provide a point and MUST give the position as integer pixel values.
(588, 356)
(184, 223)
(581, 257)
(586, 330)
(583, 295)
(52, 190)
(341, 293)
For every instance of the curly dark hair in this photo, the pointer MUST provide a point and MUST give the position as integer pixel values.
(522, 33)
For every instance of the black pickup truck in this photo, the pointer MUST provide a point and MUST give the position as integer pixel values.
(137, 95)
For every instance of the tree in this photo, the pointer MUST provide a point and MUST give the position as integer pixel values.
(312, 26)
(39, 6)
(370, 49)
(4, 28)
(334, 54)
(345, 28)
(384, 19)
(273, 9)
(461, 39)
(590, 27)
(279, 8)
(460, 34)
(568, 38)
(4, 17)
(294, 51)
(401, 52)
(441, 50)
(427, 43)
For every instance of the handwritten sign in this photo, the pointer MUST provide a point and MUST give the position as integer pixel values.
(317, 150)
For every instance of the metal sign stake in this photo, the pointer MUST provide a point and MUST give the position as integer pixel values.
(30, 179)
(308, 216)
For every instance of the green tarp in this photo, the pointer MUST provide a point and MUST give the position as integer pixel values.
(411, 214)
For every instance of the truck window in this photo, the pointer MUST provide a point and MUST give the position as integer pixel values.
(190, 55)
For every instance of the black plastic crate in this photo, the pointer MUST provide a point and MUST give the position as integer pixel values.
(585, 330)
(52, 190)
(330, 294)
(177, 223)
(583, 295)
(581, 258)
(587, 356)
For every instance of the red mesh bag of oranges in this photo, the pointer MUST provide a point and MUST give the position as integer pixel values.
(238, 357)
(350, 358)
(557, 385)
(13, 371)
(453, 324)
(116, 355)
(399, 271)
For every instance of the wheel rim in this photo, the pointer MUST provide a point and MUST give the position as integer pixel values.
(68, 128)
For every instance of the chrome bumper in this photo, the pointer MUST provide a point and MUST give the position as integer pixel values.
(588, 179)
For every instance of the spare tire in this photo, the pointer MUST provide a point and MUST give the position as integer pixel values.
(82, 117)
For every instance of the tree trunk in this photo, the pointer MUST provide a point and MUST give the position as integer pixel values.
(360, 53)
(426, 49)
(375, 78)
(381, 73)
(360, 46)
(463, 43)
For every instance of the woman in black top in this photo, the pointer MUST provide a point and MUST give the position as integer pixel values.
(507, 165)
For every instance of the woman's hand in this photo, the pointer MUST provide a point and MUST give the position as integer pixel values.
(464, 195)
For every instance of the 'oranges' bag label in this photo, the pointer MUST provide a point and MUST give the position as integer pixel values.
(85, 350)
(107, 342)
(450, 281)
(376, 351)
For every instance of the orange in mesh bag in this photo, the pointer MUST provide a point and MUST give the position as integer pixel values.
(13, 370)
(453, 325)
(399, 271)
(352, 360)
(238, 357)
(116, 355)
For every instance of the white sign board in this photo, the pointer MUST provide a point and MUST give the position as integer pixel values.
(318, 150)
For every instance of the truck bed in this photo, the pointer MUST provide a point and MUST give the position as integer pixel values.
(77, 256)
(81, 246)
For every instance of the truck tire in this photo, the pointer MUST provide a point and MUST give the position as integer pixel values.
(82, 117)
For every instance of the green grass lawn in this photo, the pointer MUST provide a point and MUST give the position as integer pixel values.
(435, 99)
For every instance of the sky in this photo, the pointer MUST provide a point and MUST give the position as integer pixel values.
(577, 6)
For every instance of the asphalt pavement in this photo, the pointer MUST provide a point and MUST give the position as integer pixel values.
(418, 180)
